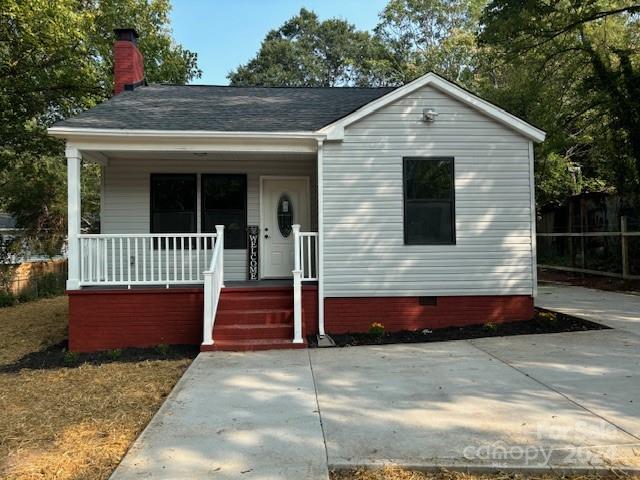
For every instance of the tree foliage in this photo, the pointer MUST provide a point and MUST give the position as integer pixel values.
(584, 57)
(56, 60)
(423, 36)
(307, 52)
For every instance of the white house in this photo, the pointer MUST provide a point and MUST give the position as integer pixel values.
(248, 217)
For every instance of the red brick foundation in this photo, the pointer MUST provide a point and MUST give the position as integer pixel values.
(309, 310)
(343, 315)
(106, 319)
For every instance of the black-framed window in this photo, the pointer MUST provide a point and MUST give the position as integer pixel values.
(429, 200)
(174, 203)
(224, 202)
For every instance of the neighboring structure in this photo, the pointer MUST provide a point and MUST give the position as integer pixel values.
(24, 272)
(411, 206)
(10, 234)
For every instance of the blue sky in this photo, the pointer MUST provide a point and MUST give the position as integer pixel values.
(227, 33)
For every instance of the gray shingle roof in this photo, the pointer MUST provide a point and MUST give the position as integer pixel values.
(223, 108)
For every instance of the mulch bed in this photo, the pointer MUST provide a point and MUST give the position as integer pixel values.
(543, 322)
(58, 356)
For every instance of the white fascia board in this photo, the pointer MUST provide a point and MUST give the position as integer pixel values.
(67, 132)
(106, 140)
(335, 131)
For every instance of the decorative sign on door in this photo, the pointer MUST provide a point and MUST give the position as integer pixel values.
(252, 252)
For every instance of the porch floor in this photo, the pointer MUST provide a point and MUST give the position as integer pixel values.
(284, 282)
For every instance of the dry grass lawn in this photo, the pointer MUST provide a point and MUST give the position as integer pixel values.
(391, 473)
(70, 423)
(31, 326)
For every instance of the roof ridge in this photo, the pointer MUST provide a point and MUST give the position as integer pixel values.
(347, 87)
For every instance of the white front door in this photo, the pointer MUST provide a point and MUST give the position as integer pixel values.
(284, 202)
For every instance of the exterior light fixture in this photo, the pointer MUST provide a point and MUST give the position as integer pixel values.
(429, 115)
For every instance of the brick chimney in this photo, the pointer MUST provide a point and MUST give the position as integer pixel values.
(128, 63)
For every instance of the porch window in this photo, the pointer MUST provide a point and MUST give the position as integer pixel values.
(429, 201)
(173, 203)
(224, 202)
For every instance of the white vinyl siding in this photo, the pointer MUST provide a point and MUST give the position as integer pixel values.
(364, 250)
(126, 197)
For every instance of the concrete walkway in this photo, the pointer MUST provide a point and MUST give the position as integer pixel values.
(231, 416)
(616, 310)
(567, 400)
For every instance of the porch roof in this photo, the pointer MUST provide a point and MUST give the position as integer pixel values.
(225, 108)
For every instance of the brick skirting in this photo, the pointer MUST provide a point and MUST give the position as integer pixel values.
(343, 315)
(107, 319)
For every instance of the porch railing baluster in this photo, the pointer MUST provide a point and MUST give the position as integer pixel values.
(103, 257)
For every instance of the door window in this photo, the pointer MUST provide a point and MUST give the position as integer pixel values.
(285, 215)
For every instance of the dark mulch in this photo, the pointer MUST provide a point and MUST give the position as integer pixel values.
(543, 322)
(58, 356)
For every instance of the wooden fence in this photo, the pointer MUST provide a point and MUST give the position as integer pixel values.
(574, 253)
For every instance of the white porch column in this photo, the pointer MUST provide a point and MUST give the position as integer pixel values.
(74, 162)
(320, 241)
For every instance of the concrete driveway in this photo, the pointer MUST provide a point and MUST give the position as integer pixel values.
(616, 310)
(567, 400)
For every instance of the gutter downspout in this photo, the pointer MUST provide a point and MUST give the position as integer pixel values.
(320, 240)
(533, 217)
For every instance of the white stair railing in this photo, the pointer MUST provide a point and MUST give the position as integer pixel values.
(213, 284)
(305, 269)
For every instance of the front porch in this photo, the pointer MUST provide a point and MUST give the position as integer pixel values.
(227, 237)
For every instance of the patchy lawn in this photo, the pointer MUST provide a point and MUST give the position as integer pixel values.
(72, 418)
(390, 473)
(28, 327)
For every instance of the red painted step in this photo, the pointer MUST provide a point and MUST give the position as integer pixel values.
(254, 318)
(250, 345)
(282, 331)
(235, 302)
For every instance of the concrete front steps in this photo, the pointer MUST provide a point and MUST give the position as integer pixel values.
(254, 318)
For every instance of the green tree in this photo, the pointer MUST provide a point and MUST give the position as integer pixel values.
(56, 60)
(584, 56)
(420, 36)
(308, 52)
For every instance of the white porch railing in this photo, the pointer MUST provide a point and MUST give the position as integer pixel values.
(213, 283)
(305, 269)
(145, 259)
(307, 251)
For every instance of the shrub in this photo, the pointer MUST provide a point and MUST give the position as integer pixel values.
(548, 319)
(70, 358)
(49, 285)
(7, 299)
(163, 349)
(114, 354)
(376, 329)
(490, 327)
(27, 295)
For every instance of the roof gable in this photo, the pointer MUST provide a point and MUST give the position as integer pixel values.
(335, 130)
